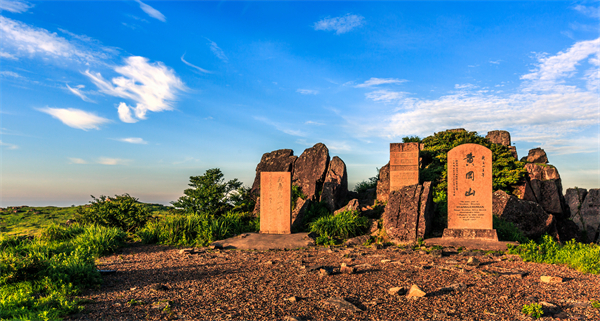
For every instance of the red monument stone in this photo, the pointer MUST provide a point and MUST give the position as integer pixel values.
(470, 193)
(276, 202)
(404, 165)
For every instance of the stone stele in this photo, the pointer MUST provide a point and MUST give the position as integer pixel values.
(404, 165)
(470, 193)
(276, 202)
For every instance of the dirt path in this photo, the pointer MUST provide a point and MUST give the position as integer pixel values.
(257, 285)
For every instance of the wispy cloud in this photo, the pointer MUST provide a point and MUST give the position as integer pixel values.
(73, 160)
(151, 11)
(113, 161)
(6, 55)
(133, 140)
(341, 24)
(380, 81)
(8, 146)
(194, 66)
(285, 128)
(307, 91)
(76, 118)
(310, 122)
(386, 95)
(589, 11)
(495, 62)
(153, 87)
(217, 51)
(15, 6)
(77, 91)
(12, 74)
(21, 39)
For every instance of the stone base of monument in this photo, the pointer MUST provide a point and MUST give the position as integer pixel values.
(478, 234)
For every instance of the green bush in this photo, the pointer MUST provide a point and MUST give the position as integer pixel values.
(411, 139)
(209, 194)
(314, 211)
(507, 231)
(533, 310)
(121, 211)
(198, 229)
(344, 225)
(367, 184)
(580, 256)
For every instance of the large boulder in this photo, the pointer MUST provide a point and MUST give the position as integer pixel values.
(501, 137)
(281, 160)
(353, 205)
(541, 172)
(335, 187)
(383, 183)
(528, 216)
(299, 211)
(546, 186)
(574, 200)
(409, 213)
(590, 215)
(525, 192)
(309, 170)
(537, 155)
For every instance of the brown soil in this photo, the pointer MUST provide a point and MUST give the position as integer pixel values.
(254, 285)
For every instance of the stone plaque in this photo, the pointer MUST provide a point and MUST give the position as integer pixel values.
(404, 165)
(470, 192)
(276, 202)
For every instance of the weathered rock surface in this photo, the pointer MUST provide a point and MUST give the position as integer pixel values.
(501, 137)
(546, 186)
(574, 200)
(383, 184)
(528, 216)
(525, 192)
(335, 187)
(541, 172)
(309, 170)
(353, 205)
(299, 211)
(537, 155)
(590, 215)
(415, 292)
(409, 213)
(281, 160)
(341, 304)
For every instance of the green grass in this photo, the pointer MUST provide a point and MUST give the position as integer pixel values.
(533, 310)
(342, 226)
(31, 220)
(580, 256)
(40, 277)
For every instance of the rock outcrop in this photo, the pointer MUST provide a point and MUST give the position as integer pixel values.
(353, 205)
(310, 169)
(409, 213)
(335, 187)
(281, 160)
(501, 137)
(528, 216)
(383, 184)
(546, 186)
(590, 215)
(537, 155)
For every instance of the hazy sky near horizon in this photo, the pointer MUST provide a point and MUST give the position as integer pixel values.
(111, 97)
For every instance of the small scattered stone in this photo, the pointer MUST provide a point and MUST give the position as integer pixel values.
(132, 289)
(341, 304)
(473, 261)
(364, 265)
(452, 262)
(377, 246)
(397, 291)
(347, 269)
(161, 305)
(325, 272)
(159, 287)
(386, 261)
(314, 267)
(551, 279)
(186, 251)
(436, 253)
(422, 252)
(290, 318)
(269, 263)
(415, 292)
(550, 308)
(292, 299)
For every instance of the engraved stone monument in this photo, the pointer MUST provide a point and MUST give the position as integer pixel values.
(404, 165)
(470, 193)
(276, 202)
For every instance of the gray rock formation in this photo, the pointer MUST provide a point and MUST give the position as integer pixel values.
(309, 170)
(590, 215)
(383, 184)
(409, 213)
(501, 137)
(281, 160)
(335, 187)
(528, 216)
(537, 155)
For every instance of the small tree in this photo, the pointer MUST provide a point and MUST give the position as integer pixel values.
(209, 193)
(122, 211)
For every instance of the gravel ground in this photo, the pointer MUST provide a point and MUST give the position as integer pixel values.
(155, 282)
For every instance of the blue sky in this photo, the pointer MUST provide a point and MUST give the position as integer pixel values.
(111, 97)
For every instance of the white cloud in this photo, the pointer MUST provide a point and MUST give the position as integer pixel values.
(6, 55)
(151, 11)
(593, 12)
(76, 118)
(9, 146)
(25, 39)
(133, 140)
(77, 91)
(153, 87)
(194, 66)
(285, 128)
(307, 91)
(217, 51)
(112, 161)
(10, 74)
(380, 81)
(310, 122)
(15, 6)
(341, 24)
(495, 62)
(386, 95)
(77, 161)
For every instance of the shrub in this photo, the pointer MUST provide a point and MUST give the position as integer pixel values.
(122, 211)
(344, 225)
(411, 139)
(507, 231)
(533, 310)
(314, 211)
(209, 194)
(367, 184)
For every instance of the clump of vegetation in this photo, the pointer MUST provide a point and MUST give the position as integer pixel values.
(122, 211)
(595, 304)
(411, 139)
(580, 256)
(314, 211)
(533, 310)
(507, 231)
(40, 277)
(342, 226)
